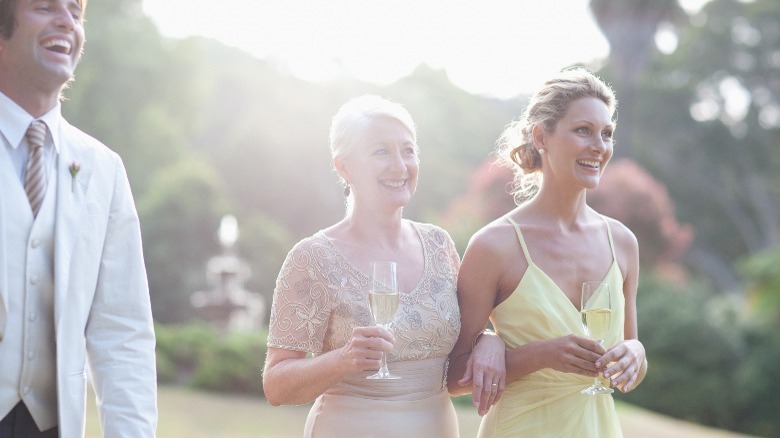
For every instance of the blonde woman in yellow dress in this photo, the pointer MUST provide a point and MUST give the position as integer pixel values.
(320, 305)
(524, 272)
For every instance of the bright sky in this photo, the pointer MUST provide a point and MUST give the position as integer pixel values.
(496, 47)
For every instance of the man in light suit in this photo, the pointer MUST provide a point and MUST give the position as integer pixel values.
(74, 298)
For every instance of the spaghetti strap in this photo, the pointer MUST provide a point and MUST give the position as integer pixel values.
(522, 241)
(609, 234)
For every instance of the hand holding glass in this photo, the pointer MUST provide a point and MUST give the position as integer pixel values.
(383, 301)
(596, 310)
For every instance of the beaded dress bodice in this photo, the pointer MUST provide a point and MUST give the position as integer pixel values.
(320, 297)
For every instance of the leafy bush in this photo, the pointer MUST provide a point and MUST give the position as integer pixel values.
(705, 363)
(689, 359)
(199, 356)
(758, 383)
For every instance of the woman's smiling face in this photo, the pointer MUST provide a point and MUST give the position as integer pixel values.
(581, 145)
(382, 171)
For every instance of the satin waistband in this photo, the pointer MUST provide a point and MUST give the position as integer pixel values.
(547, 386)
(419, 379)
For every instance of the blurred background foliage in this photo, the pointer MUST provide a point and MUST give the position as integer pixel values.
(206, 130)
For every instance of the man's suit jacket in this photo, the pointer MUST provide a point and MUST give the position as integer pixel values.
(102, 311)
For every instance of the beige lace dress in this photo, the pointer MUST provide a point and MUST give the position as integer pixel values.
(320, 296)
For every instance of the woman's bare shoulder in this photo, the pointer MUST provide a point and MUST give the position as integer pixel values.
(494, 237)
(626, 248)
(622, 235)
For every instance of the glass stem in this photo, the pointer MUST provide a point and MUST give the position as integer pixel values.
(383, 369)
(597, 381)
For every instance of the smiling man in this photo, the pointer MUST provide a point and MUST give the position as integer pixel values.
(73, 289)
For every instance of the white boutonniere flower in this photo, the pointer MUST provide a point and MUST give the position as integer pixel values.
(74, 168)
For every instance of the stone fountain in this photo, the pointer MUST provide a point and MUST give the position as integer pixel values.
(228, 305)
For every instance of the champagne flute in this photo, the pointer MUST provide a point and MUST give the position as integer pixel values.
(596, 311)
(383, 301)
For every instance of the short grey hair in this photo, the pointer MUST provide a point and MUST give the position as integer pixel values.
(354, 117)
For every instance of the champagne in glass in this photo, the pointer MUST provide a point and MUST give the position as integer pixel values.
(383, 301)
(596, 311)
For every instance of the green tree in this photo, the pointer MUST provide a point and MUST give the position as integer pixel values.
(116, 96)
(763, 284)
(264, 243)
(630, 26)
(713, 59)
(706, 123)
(180, 214)
(456, 131)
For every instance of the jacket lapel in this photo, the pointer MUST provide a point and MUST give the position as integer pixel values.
(5, 165)
(71, 198)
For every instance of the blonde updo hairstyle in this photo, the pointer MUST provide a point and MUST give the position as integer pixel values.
(355, 116)
(515, 147)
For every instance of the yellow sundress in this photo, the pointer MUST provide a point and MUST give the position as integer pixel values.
(548, 403)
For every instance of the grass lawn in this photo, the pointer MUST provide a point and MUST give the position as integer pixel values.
(194, 414)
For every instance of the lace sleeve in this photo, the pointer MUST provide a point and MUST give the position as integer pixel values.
(447, 257)
(301, 305)
(454, 255)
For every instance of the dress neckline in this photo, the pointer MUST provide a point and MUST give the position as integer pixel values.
(532, 265)
(560, 291)
(360, 273)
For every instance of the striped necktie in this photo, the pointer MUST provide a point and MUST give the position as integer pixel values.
(35, 176)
